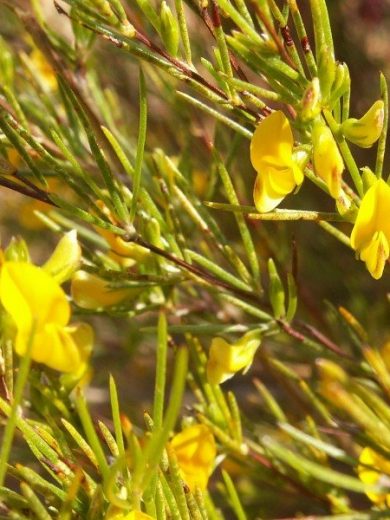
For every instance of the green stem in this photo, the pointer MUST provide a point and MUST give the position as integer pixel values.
(143, 115)
(302, 34)
(242, 226)
(217, 115)
(341, 237)
(383, 137)
(240, 21)
(161, 369)
(24, 370)
(183, 30)
(91, 435)
(289, 214)
(145, 469)
(116, 417)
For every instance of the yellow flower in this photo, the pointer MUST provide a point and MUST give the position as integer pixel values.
(44, 69)
(89, 291)
(365, 131)
(195, 450)
(41, 312)
(371, 233)
(374, 470)
(327, 161)
(121, 251)
(226, 359)
(272, 156)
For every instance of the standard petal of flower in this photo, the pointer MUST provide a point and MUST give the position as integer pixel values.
(92, 292)
(195, 450)
(272, 142)
(29, 294)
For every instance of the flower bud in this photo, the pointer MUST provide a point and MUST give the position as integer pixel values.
(364, 132)
(311, 101)
(89, 291)
(6, 64)
(327, 160)
(331, 372)
(17, 251)
(169, 29)
(65, 259)
(276, 291)
(326, 71)
(227, 359)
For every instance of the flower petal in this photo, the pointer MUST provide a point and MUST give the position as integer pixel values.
(271, 186)
(92, 292)
(375, 254)
(29, 294)
(227, 359)
(195, 450)
(373, 215)
(370, 470)
(54, 346)
(272, 142)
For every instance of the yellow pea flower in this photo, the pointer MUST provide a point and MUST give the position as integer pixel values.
(121, 251)
(196, 451)
(44, 69)
(371, 233)
(365, 131)
(38, 306)
(227, 359)
(327, 161)
(89, 291)
(374, 470)
(272, 156)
